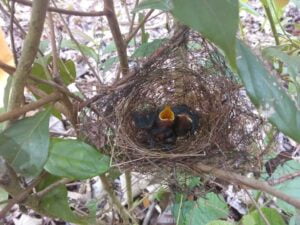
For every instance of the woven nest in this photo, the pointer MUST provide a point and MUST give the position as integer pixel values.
(228, 130)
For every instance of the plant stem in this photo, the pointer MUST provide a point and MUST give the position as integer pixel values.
(129, 189)
(31, 44)
(114, 200)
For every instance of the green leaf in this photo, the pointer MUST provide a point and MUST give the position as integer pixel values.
(25, 144)
(290, 187)
(267, 94)
(217, 20)
(254, 218)
(88, 51)
(147, 49)
(107, 65)
(164, 5)
(203, 211)
(75, 159)
(291, 61)
(220, 222)
(39, 71)
(55, 203)
(67, 71)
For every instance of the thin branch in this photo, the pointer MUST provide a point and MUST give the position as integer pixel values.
(11, 31)
(114, 200)
(117, 36)
(133, 17)
(29, 52)
(245, 181)
(21, 197)
(52, 186)
(262, 215)
(133, 33)
(129, 189)
(17, 112)
(78, 46)
(55, 56)
(64, 11)
(149, 214)
(284, 178)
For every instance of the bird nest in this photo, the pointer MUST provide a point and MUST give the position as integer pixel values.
(228, 130)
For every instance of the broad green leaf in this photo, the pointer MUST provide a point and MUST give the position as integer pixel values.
(220, 222)
(111, 47)
(291, 61)
(272, 215)
(205, 210)
(3, 197)
(217, 20)
(44, 46)
(75, 159)
(25, 144)
(67, 71)
(148, 48)
(55, 203)
(88, 51)
(290, 187)
(164, 5)
(39, 72)
(267, 94)
(108, 64)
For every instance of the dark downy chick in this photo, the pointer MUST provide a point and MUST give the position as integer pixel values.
(186, 121)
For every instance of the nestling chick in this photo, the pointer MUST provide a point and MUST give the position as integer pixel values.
(186, 121)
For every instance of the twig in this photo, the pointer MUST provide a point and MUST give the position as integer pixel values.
(115, 201)
(10, 70)
(52, 186)
(55, 71)
(128, 188)
(283, 179)
(56, 74)
(64, 11)
(149, 213)
(248, 182)
(11, 31)
(258, 209)
(21, 197)
(117, 36)
(78, 46)
(133, 17)
(29, 52)
(17, 112)
(133, 33)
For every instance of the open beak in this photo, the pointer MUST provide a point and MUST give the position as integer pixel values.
(167, 114)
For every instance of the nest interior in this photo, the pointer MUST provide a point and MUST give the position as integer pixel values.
(229, 129)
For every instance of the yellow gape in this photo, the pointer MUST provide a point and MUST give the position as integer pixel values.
(167, 114)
